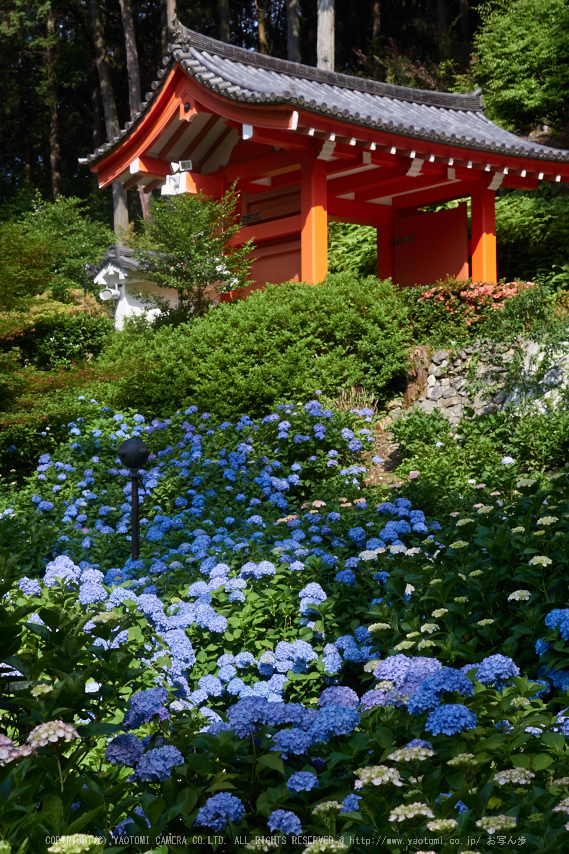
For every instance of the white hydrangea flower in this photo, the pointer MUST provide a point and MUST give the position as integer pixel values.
(461, 599)
(462, 522)
(41, 690)
(78, 843)
(377, 775)
(325, 846)
(485, 509)
(411, 754)
(519, 529)
(378, 627)
(398, 550)
(51, 732)
(429, 628)
(519, 776)
(410, 811)
(540, 560)
(406, 644)
(493, 823)
(370, 666)
(459, 544)
(487, 622)
(424, 644)
(559, 782)
(413, 551)
(261, 844)
(368, 555)
(442, 825)
(463, 760)
(525, 481)
(409, 589)
(520, 702)
(548, 520)
(327, 808)
(440, 612)
(436, 580)
(562, 806)
(519, 596)
(475, 573)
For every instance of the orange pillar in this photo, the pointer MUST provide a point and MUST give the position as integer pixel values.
(385, 245)
(314, 218)
(483, 235)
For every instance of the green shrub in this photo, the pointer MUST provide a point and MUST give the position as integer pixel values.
(280, 344)
(60, 341)
(453, 312)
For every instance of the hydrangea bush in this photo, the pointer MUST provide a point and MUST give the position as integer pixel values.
(289, 656)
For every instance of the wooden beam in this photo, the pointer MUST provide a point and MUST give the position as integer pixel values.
(344, 210)
(153, 166)
(260, 231)
(176, 136)
(280, 138)
(434, 195)
(374, 178)
(277, 163)
(314, 217)
(483, 230)
(398, 185)
(199, 137)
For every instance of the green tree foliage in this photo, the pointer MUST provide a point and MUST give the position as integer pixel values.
(521, 60)
(186, 245)
(25, 264)
(352, 249)
(74, 238)
(283, 343)
(532, 231)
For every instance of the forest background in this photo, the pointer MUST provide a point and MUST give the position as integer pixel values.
(65, 90)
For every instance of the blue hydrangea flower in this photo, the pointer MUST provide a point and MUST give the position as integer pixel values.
(350, 803)
(450, 719)
(29, 586)
(143, 705)
(219, 809)
(156, 765)
(284, 821)
(338, 695)
(496, 668)
(302, 781)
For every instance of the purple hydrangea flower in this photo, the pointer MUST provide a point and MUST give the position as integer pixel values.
(125, 749)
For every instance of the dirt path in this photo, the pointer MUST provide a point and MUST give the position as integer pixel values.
(386, 448)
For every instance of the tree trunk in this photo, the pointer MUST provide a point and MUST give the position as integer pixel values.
(96, 106)
(120, 209)
(325, 35)
(224, 29)
(262, 27)
(465, 20)
(168, 10)
(51, 93)
(376, 20)
(133, 73)
(292, 30)
(442, 16)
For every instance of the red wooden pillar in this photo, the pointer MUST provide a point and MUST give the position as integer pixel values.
(483, 235)
(314, 218)
(385, 244)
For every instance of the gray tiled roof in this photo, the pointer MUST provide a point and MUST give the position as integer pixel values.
(250, 77)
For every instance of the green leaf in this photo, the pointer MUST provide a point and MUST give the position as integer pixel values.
(271, 760)
(84, 820)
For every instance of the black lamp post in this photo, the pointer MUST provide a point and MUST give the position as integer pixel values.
(134, 454)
